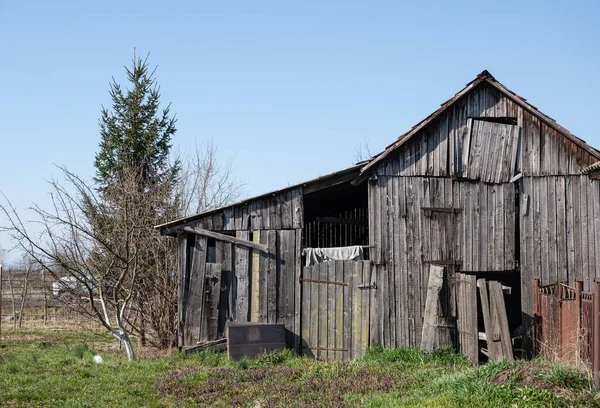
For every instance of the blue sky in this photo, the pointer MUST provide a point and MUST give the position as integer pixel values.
(288, 90)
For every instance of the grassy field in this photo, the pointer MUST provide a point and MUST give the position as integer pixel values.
(41, 368)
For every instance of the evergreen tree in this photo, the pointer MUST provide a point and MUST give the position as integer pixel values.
(135, 134)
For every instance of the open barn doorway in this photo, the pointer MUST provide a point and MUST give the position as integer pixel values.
(336, 217)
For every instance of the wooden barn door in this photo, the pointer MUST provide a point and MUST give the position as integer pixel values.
(441, 225)
(335, 309)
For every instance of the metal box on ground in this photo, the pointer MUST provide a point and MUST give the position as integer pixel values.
(251, 339)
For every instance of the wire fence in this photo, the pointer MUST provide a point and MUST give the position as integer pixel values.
(32, 298)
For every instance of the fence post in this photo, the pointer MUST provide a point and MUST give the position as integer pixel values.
(596, 333)
(578, 290)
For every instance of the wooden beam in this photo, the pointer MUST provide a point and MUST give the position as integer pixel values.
(227, 238)
(346, 221)
(507, 290)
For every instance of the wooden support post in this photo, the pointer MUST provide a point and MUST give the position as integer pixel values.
(596, 334)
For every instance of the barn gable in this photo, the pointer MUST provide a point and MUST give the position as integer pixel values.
(485, 132)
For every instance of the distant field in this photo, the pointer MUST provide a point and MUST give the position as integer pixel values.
(54, 368)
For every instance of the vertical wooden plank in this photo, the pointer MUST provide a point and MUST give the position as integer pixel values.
(392, 239)
(256, 282)
(356, 309)
(420, 268)
(497, 297)
(331, 311)
(552, 247)
(213, 274)
(297, 208)
(533, 135)
(494, 347)
(385, 281)
(228, 219)
(585, 236)
(528, 260)
(272, 278)
(469, 192)
(226, 310)
(499, 222)
(339, 310)
(510, 221)
(305, 317)
(242, 272)
(575, 194)
(476, 232)
(436, 278)
(570, 223)
(410, 254)
(365, 267)
(542, 185)
(483, 230)
(561, 229)
(348, 317)
(323, 310)
(315, 311)
(536, 227)
(255, 216)
(399, 271)
(466, 153)
(286, 288)
(467, 319)
(299, 300)
(195, 314)
(287, 211)
(182, 289)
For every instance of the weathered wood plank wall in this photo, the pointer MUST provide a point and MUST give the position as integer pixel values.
(512, 191)
(423, 220)
(560, 232)
(236, 288)
(283, 210)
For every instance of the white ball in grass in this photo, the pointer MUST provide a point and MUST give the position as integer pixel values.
(98, 359)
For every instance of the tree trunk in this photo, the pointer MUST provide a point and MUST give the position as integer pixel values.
(124, 337)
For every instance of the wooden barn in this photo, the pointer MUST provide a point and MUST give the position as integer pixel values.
(487, 186)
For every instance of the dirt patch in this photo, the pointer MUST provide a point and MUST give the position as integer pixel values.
(521, 375)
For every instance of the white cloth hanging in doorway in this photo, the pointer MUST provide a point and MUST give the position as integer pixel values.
(318, 255)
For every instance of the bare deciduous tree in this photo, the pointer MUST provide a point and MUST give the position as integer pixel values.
(84, 238)
(362, 152)
(205, 182)
(123, 268)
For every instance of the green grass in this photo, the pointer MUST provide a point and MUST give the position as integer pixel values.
(55, 369)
